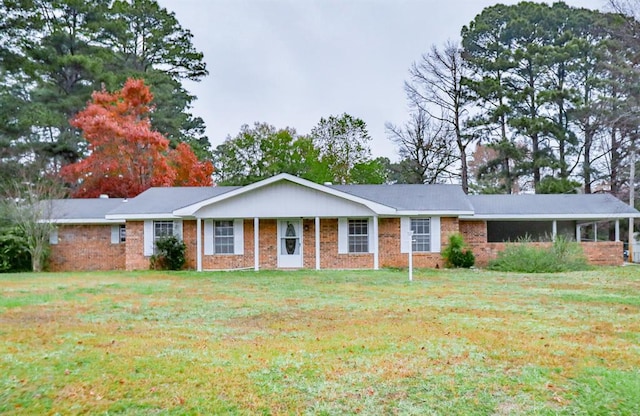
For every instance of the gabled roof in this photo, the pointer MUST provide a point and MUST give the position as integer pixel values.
(553, 206)
(384, 200)
(444, 199)
(84, 211)
(162, 202)
(329, 190)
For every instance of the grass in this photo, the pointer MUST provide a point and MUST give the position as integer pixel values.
(331, 342)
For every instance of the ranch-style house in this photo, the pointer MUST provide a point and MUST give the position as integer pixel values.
(288, 222)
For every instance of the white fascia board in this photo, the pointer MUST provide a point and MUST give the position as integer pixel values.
(435, 213)
(163, 216)
(82, 221)
(374, 206)
(550, 217)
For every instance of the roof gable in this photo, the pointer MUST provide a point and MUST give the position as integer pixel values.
(284, 177)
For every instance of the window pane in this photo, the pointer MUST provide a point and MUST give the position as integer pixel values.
(358, 236)
(223, 237)
(421, 234)
(123, 233)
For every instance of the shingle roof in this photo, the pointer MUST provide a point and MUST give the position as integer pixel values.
(162, 202)
(83, 209)
(583, 205)
(167, 200)
(412, 197)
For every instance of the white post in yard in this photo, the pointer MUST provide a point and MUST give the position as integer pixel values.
(410, 255)
(256, 244)
(317, 231)
(199, 244)
(632, 195)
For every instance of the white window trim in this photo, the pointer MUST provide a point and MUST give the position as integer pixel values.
(53, 236)
(149, 234)
(343, 235)
(238, 237)
(115, 234)
(434, 237)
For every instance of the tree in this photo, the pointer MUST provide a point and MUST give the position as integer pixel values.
(343, 142)
(538, 78)
(262, 150)
(54, 53)
(436, 87)
(425, 149)
(126, 155)
(28, 208)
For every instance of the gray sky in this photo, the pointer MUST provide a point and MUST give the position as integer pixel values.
(291, 62)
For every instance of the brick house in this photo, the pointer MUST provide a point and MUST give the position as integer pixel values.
(288, 222)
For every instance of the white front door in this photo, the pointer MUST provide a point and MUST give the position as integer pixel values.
(290, 243)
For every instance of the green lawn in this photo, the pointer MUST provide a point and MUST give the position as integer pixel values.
(330, 342)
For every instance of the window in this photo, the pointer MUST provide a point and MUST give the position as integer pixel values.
(223, 237)
(421, 234)
(161, 229)
(358, 236)
(122, 233)
(53, 236)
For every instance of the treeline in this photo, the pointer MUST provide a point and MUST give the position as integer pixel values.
(54, 54)
(535, 97)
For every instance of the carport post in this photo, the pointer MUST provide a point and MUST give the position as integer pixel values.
(554, 230)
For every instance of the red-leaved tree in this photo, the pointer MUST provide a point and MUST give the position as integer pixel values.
(126, 156)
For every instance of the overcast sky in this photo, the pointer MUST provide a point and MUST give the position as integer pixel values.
(291, 62)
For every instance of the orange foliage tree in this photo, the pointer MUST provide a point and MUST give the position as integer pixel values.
(126, 156)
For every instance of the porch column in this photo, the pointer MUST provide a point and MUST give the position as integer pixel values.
(617, 230)
(317, 230)
(256, 244)
(595, 232)
(578, 233)
(554, 230)
(199, 244)
(375, 243)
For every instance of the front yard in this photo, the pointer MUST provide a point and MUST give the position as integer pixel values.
(329, 342)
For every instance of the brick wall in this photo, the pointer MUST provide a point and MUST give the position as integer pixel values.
(230, 261)
(309, 243)
(135, 259)
(389, 244)
(603, 253)
(86, 247)
(329, 256)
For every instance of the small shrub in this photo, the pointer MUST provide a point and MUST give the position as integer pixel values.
(563, 255)
(456, 254)
(170, 254)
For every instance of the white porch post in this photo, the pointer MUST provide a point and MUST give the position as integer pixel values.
(199, 244)
(617, 230)
(375, 243)
(256, 244)
(554, 230)
(317, 231)
(578, 233)
(595, 231)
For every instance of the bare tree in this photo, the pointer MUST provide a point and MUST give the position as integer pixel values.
(29, 207)
(425, 148)
(436, 87)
